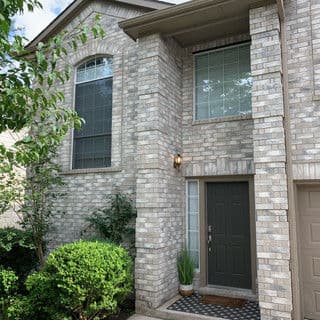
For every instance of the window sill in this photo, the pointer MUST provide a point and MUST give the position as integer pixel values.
(91, 170)
(316, 97)
(223, 119)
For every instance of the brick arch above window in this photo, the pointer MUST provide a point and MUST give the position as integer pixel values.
(92, 50)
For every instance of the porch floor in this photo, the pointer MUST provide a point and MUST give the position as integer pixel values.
(193, 305)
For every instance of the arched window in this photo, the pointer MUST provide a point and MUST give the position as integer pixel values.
(93, 103)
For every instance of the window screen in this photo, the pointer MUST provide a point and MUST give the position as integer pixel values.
(223, 82)
(93, 103)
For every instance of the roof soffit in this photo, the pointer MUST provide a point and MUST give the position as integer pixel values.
(195, 21)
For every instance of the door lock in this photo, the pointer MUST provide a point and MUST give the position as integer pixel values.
(210, 233)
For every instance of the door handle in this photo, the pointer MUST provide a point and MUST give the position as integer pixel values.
(209, 234)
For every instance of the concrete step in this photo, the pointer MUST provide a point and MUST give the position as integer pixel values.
(228, 292)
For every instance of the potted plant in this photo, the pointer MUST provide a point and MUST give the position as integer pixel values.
(185, 266)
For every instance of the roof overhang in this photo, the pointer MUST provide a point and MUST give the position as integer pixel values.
(195, 21)
(65, 16)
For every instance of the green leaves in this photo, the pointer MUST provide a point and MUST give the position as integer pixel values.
(8, 283)
(85, 280)
(185, 267)
(9, 8)
(27, 86)
(30, 103)
(113, 220)
(17, 252)
(8, 288)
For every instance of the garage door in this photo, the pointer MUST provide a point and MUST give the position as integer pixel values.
(309, 234)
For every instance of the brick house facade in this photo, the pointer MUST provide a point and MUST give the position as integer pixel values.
(269, 152)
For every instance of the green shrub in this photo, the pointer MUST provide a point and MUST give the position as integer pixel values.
(40, 303)
(8, 283)
(8, 287)
(17, 252)
(114, 220)
(84, 280)
(185, 266)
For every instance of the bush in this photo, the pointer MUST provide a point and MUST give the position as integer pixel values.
(84, 280)
(8, 287)
(17, 252)
(8, 283)
(40, 303)
(114, 220)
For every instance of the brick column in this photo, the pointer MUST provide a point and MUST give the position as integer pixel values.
(315, 42)
(271, 200)
(159, 224)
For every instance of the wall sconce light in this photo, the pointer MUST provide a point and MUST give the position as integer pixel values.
(177, 161)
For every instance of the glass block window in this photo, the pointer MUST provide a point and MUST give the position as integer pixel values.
(93, 103)
(223, 82)
(193, 220)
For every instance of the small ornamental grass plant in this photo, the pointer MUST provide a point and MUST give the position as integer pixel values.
(185, 266)
(84, 280)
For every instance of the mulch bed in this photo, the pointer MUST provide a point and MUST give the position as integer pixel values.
(126, 309)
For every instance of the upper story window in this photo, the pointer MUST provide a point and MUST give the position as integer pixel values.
(223, 82)
(93, 102)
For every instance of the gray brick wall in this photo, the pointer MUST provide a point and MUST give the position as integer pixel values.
(303, 22)
(271, 203)
(159, 228)
(86, 189)
(217, 146)
(153, 120)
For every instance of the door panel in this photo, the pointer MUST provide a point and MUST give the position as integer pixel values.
(309, 234)
(229, 252)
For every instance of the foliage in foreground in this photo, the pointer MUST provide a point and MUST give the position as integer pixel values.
(31, 102)
(17, 252)
(185, 266)
(114, 220)
(8, 288)
(82, 280)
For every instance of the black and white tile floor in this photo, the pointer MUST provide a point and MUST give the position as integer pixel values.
(192, 304)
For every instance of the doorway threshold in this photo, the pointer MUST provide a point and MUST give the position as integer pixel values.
(228, 292)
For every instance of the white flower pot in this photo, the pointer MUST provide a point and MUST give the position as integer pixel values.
(186, 290)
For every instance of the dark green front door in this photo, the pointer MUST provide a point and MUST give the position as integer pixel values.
(228, 222)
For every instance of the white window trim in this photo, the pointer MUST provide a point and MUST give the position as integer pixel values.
(80, 82)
